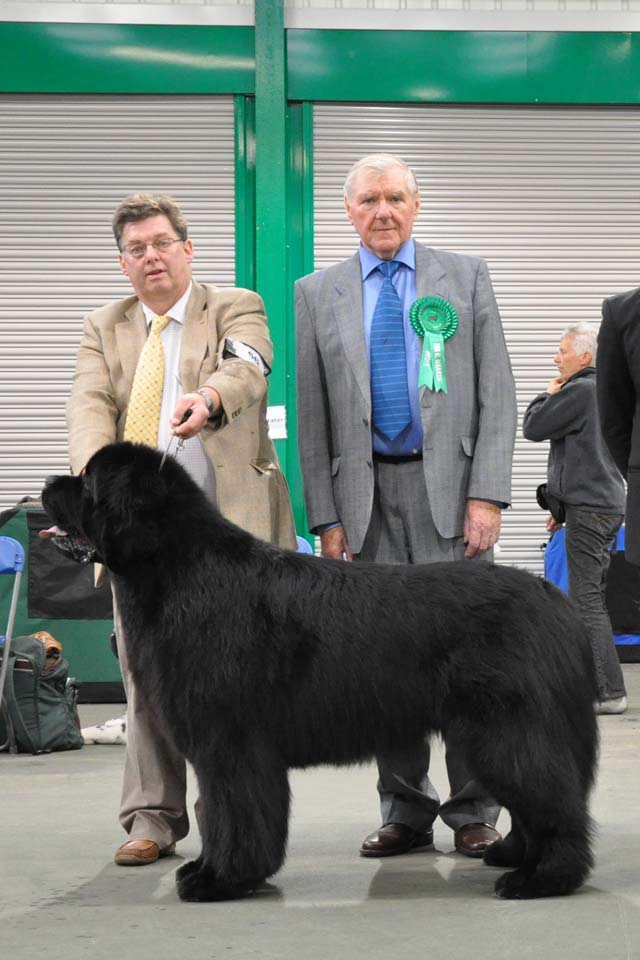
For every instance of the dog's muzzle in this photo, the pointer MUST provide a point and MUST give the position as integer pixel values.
(75, 547)
(79, 550)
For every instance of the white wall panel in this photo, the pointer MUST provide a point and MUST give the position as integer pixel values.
(525, 15)
(65, 163)
(550, 197)
(184, 12)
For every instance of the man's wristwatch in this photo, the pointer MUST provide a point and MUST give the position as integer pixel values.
(206, 396)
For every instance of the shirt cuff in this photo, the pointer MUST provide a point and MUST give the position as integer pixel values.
(323, 527)
(497, 503)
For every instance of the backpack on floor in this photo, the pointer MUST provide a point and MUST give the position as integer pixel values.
(40, 699)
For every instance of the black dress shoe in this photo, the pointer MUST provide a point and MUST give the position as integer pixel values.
(394, 838)
(473, 838)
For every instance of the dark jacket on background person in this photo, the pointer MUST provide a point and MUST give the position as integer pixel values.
(619, 400)
(580, 470)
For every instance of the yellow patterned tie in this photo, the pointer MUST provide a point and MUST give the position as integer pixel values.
(143, 415)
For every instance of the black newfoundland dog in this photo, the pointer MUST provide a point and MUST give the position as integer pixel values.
(258, 659)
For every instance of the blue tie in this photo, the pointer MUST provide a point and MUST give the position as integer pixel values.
(388, 359)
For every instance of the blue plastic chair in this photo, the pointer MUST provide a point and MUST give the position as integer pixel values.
(555, 569)
(303, 545)
(11, 563)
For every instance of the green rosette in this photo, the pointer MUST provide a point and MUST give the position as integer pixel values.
(435, 320)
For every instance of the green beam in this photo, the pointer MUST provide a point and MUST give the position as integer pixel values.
(125, 58)
(463, 66)
(583, 67)
(271, 208)
(410, 66)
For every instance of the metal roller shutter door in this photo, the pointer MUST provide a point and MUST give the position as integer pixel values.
(65, 163)
(548, 196)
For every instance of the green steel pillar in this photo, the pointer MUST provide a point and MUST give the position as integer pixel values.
(273, 276)
(245, 190)
(299, 263)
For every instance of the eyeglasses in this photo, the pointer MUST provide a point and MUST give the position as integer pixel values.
(137, 250)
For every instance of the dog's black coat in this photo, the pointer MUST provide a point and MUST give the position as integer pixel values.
(258, 659)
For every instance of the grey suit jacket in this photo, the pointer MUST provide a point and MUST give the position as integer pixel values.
(250, 488)
(469, 432)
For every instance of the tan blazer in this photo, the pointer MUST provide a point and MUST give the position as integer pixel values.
(250, 487)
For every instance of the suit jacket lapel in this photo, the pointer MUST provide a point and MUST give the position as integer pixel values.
(346, 304)
(194, 339)
(431, 277)
(131, 334)
(431, 280)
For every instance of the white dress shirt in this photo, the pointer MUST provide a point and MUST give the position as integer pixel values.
(191, 455)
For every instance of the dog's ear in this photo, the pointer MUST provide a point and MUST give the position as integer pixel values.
(123, 513)
(121, 550)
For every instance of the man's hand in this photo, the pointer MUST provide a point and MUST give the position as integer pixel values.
(333, 543)
(199, 413)
(553, 525)
(481, 526)
(554, 385)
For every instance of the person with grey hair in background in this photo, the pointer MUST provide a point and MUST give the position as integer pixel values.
(582, 476)
(406, 426)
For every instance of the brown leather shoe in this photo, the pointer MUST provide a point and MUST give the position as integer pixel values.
(138, 853)
(474, 838)
(394, 838)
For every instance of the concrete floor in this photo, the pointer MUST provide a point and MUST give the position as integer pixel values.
(62, 897)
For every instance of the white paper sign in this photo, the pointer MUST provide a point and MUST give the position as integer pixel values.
(277, 420)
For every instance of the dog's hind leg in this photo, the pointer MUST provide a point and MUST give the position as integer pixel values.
(244, 795)
(557, 860)
(552, 810)
(509, 852)
(544, 783)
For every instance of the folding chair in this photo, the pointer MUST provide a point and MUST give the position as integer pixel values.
(11, 562)
(303, 545)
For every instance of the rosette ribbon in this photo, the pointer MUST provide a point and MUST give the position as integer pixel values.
(435, 320)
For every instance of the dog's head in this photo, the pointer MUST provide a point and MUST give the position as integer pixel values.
(60, 498)
(114, 511)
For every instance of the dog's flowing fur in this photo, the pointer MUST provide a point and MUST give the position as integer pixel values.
(258, 659)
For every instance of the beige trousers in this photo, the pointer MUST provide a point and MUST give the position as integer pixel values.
(154, 785)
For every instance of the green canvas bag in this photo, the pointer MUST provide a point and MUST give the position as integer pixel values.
(41, 700)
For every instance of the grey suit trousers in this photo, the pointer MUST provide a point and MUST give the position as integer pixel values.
(153, 801)
(402, 531)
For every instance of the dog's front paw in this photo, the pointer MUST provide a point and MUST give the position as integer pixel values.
(191, 866)
(204, 885)
(196, 882)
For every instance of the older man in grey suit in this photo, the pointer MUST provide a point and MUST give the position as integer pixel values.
(407, 419)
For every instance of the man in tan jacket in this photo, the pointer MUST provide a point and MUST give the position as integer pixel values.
(217, 356)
